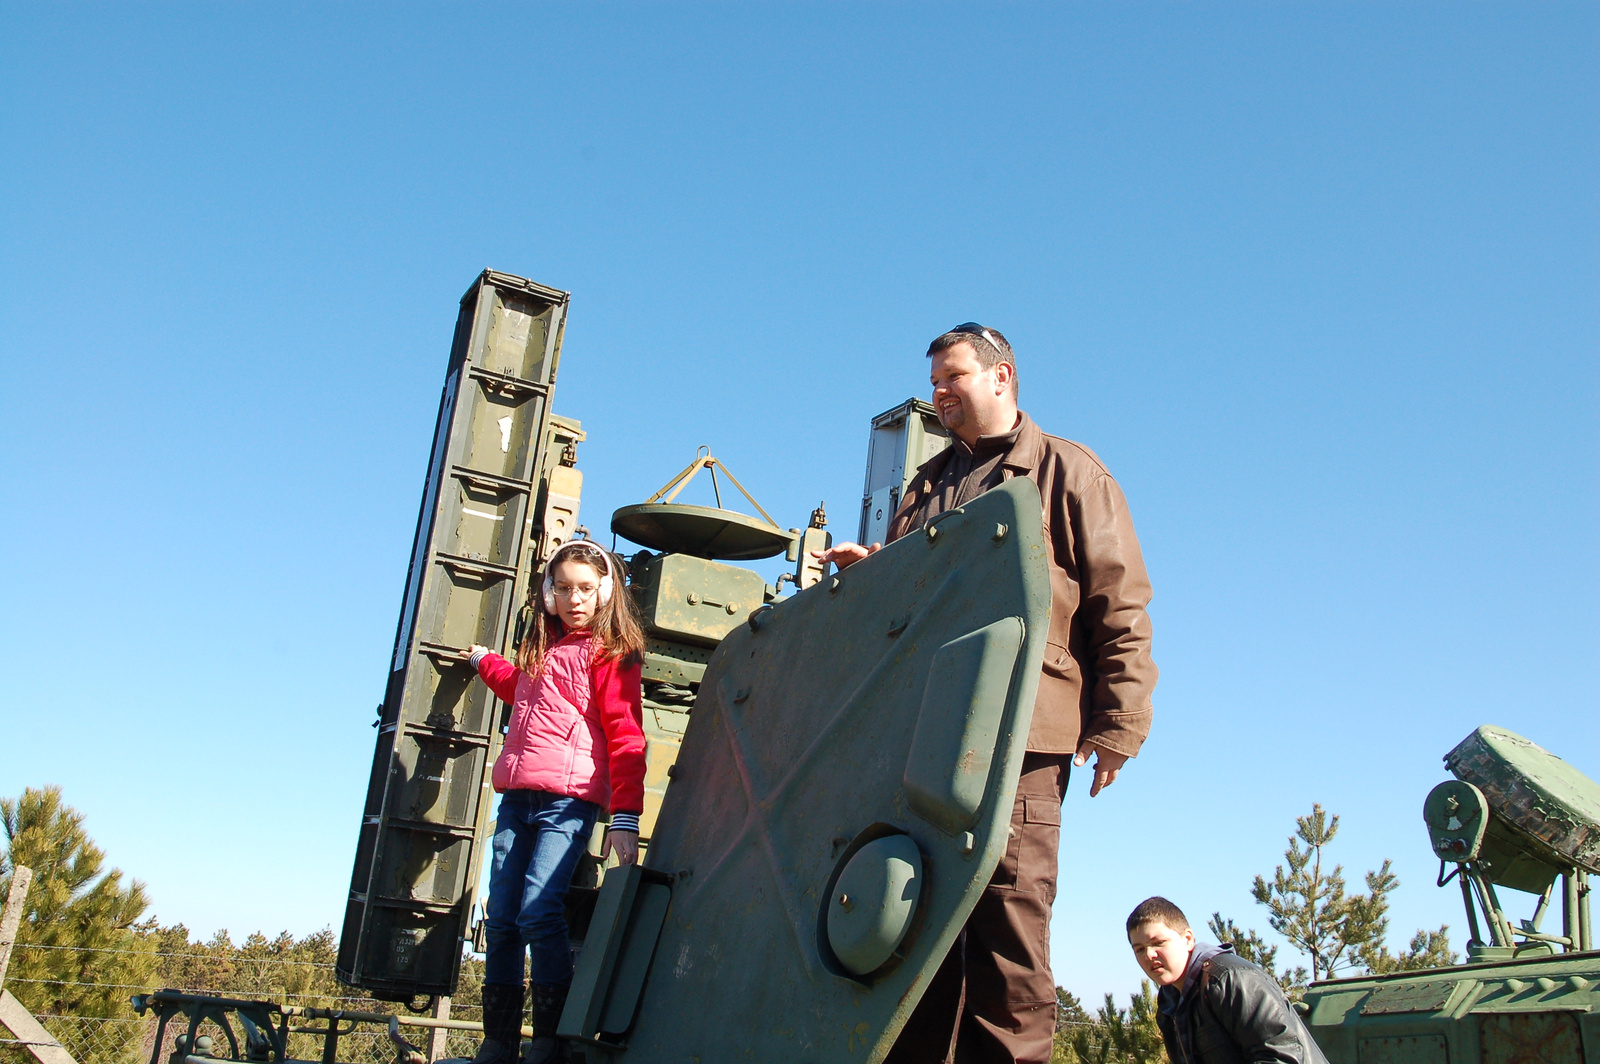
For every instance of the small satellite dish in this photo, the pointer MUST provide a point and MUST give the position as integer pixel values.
(701, 531)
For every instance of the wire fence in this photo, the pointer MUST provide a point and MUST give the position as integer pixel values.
(284, 977)
(131, 1040)
(51, 976)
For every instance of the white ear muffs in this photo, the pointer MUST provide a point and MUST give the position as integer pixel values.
(548, 589)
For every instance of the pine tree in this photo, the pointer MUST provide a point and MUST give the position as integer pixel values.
(78, 945)
(1310, 908)
(1428, 949)
(1113, 1035)
(1134, 1035)
(1253, 948)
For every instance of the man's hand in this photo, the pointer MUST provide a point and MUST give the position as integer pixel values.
(624, 843)
(845, 554)
(1107, 764)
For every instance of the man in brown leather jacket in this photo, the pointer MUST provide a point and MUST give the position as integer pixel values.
(993, 999)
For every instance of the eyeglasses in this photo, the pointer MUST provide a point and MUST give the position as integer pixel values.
(569, 591)
(972, 328)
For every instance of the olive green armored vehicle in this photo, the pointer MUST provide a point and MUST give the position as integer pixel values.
(832, 759)
(1516, 817)
(832, 764)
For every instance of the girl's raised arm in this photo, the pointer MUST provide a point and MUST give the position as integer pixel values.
(497, 672)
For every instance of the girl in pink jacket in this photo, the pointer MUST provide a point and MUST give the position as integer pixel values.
(575, 746)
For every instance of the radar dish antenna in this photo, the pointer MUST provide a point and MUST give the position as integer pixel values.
(702, 531)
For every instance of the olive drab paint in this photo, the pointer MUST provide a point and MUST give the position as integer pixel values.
(500, 496)
(1519, 817)
(841, 799)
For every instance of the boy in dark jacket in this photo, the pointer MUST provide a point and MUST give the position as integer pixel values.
(1213, 1006)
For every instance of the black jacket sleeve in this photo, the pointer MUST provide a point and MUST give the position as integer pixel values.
(1251, 1008)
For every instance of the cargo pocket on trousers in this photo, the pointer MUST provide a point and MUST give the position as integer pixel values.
(1005, 873)
(1041, 838)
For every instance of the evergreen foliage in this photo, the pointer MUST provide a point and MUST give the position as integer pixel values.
(1310, 908)
(1113, 1035)
(1253, 948)
(79, 948)
(281, 969)
(1428, 949)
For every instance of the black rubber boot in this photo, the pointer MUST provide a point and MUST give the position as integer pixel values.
(548, 1001)
(502, 1024)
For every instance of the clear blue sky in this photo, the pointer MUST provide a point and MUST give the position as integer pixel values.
(1317, 281)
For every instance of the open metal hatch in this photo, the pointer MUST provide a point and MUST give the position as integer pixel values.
(842, 797)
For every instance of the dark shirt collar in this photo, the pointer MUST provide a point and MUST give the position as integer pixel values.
(1026, 443)
(1027, 448)
(987, 445)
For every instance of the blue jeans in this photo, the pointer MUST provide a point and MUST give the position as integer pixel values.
(538, 838)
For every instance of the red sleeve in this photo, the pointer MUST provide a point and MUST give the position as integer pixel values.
(500, 675)
(617, 694)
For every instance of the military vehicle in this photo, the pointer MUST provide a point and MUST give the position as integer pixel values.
(825, 817)
(1519, 818)
(831, 770)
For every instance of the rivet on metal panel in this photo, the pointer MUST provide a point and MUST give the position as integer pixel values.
(846, 903)
(741, 694)
(969, 844)
(1545, 983)
(1516, 986)
(899, 624)
(694, 599)
(1577, 982)
(732, 607)
(999, 533)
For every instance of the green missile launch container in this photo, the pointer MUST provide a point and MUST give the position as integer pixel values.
(500, 496)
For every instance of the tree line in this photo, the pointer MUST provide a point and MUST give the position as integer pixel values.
(84, 946)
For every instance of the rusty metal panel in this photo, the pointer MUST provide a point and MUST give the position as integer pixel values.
(428, 801)
(1408, 997)
(912, 672)
(1531, 1038)
(1404, 1049)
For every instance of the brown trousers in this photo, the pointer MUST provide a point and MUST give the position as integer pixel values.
(993, 999)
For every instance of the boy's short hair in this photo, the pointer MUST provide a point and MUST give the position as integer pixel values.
(1157, 909)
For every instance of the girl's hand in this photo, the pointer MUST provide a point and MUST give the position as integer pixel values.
(474, 648)
(624, 843)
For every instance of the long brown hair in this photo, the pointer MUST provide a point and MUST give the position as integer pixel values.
(616, 628)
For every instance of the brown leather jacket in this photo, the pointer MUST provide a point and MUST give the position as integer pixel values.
(1098, 674)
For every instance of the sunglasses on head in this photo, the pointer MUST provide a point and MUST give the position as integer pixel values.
(972, 328)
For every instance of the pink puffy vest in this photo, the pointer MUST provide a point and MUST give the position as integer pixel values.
(556, 742)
